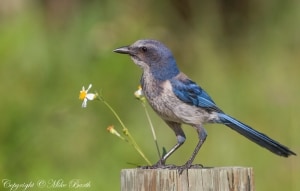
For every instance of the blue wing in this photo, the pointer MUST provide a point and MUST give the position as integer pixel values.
(190, 93)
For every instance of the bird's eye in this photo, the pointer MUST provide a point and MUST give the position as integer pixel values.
(144, 49)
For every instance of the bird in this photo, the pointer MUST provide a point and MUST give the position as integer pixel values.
(179, 100)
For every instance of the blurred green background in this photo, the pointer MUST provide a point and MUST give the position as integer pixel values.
(246, 54)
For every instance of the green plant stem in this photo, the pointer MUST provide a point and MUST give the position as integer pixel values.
(135, 145)
(152, 129)
(125, 130)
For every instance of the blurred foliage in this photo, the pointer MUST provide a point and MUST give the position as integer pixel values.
(244, 53)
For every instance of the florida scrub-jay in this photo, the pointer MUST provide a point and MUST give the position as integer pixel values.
(178, 100)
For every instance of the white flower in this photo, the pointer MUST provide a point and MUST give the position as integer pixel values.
(85, 96)
(139, 94)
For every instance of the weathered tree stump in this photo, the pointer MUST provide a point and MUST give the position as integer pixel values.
(213, 179)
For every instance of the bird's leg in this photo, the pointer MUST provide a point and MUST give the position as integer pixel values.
(176, 127)
(202, 136)
(162, 161)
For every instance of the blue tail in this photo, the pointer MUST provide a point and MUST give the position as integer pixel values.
(255, 136)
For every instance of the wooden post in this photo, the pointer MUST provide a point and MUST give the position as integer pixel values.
(213, 179)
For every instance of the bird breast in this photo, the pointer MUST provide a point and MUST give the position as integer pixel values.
(166, 104)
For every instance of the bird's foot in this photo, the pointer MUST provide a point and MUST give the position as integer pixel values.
(160, 164)
(168, 166)
(180, 169)
(183, 167)
(187, 166)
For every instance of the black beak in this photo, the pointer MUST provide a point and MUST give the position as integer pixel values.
(123, 50)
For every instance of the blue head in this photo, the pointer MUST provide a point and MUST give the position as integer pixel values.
(153, 57)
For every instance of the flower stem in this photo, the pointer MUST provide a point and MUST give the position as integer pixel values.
(152, 129)
(126, 132)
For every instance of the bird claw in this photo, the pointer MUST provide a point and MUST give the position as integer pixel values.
(181, 169)
(161, 164)
(187, 166)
